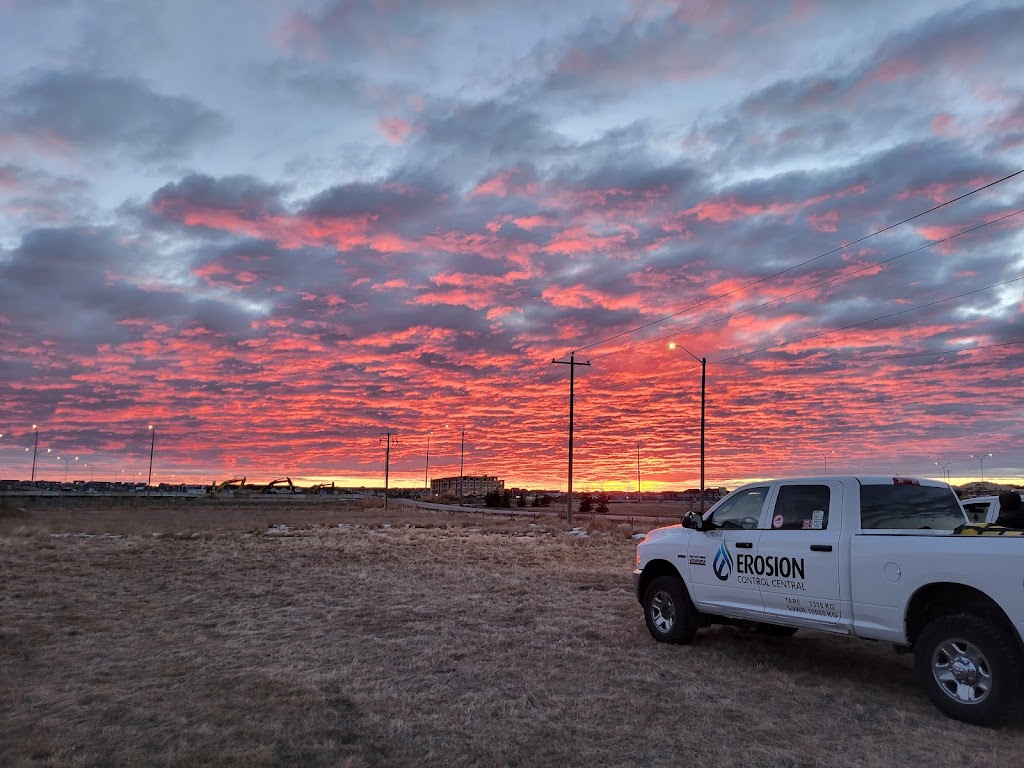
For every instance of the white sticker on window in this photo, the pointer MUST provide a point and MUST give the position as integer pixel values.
(777, 521)
(818, 515)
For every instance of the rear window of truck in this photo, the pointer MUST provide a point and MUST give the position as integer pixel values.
(909, 507)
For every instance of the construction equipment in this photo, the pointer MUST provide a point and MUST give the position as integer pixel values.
(321, 488)
(234, 484)
(271, 487)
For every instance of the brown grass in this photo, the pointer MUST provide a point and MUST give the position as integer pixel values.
(440, 640)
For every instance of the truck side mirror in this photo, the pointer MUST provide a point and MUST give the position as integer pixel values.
(694, 520)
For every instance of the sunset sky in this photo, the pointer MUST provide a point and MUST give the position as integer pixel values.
(278, 230)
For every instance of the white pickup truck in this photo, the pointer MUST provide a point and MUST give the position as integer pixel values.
(983, 509)
(873, 557)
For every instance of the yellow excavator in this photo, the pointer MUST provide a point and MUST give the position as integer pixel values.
(236, 484)
(271, 487)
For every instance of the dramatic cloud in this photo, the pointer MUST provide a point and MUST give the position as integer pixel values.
(280, 239)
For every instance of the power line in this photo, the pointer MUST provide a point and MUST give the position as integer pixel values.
(812, 287)
(803, 263)
(794, 363)
(891, 357)
(555, 377)
(865, 322)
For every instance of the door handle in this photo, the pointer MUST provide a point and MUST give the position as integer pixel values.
(744, 545)
(821, 547)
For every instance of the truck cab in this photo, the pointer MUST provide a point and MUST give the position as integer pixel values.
(876, 557)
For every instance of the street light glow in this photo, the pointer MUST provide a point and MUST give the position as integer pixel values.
(981, 457)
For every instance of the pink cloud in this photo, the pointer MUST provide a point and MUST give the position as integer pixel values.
(514, 181)
(731, 209)
(579, 240)
(895, 69)
(396, 130)
(944, 124)
(390, 285)
(824, 222)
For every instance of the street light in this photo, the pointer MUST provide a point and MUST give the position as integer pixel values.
(152, 445)
(426, 471)
(67, 463)
(703, 389)
(945, 470)
(462, 461)
(981, 457)
(825, 456)
(639, 495)
(35, 452)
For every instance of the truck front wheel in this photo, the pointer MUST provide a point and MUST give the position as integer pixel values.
(671, 617)
(970, 668)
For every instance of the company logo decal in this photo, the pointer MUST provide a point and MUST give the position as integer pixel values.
(723, 563)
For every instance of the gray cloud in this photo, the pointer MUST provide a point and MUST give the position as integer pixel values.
(87, 110)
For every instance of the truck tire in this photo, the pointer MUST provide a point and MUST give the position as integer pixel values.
(970, 668)
(670, 615)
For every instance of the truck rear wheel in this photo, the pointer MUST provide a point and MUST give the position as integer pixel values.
(670, 615)
(970, 668)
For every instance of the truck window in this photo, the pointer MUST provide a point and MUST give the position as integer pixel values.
(977, 512)
(800, 507)
(742, 510)
(909, 507)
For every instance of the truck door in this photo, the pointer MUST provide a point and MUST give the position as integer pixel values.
(730, 532)
(797, 562)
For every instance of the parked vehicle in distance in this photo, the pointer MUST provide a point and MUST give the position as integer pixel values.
(873, 557)
(984, 509)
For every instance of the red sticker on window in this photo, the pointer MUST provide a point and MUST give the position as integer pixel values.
(777, 521)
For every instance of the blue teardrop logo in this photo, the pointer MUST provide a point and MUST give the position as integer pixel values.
(723, 563)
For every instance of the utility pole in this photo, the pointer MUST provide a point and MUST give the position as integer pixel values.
(572, 396)
(152, 445)
(703, 390)
(387, 469)
(462, 462)
(639, 495)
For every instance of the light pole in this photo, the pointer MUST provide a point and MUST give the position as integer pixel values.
(67, 463)
(945, 470)
(981, 457)
(152, 445)
(35, 452)
(639, 495)
(825, 456)
(703, 390)
(426, 471)
(387, 467)
(462, 463)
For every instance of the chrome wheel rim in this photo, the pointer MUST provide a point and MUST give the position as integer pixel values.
(962, 671)
(663, 611)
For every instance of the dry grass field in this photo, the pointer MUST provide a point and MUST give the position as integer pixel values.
(208, 633)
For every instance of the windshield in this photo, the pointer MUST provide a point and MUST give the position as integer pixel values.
(909, 507)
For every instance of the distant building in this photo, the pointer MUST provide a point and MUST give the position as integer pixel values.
(970, 490)
(467, 485)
